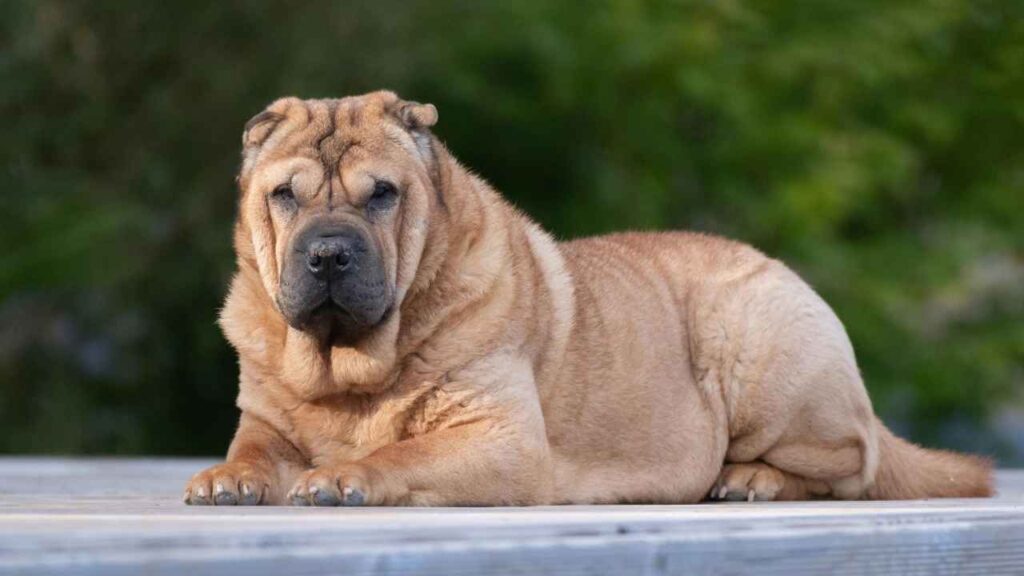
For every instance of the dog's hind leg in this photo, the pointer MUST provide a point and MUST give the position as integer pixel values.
(800, 422)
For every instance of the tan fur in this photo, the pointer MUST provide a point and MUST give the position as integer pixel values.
(514, 370)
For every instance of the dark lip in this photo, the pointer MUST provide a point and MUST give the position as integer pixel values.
(329, 310)
(338, 326)
(387, 314)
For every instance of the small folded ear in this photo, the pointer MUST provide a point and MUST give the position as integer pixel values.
(256, 132)
(259, 127)
(415, 115)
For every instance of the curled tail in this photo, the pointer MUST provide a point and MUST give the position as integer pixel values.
(907, 471)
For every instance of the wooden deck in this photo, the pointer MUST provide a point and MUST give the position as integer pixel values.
(112, 516)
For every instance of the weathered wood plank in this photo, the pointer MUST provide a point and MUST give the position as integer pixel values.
(107, 516)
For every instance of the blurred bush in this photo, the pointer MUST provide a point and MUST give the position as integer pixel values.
(875, 145)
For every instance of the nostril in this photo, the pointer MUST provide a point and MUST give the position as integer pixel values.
(342, 259)
(315, 262)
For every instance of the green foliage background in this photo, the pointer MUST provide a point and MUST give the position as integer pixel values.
(876, 145)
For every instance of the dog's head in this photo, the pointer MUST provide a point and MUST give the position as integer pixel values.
(337, 201)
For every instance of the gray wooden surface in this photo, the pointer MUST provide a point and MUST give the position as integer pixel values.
(109, 516)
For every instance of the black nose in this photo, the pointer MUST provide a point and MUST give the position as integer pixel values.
(327, 255)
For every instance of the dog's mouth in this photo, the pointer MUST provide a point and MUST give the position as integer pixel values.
(339, 327)
(329, 311)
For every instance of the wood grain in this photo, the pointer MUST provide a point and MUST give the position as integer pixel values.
(114, 516)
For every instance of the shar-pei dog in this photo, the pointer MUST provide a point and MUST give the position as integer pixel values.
(407, 337)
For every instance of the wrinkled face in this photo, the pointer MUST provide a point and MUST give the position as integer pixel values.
(336, 195)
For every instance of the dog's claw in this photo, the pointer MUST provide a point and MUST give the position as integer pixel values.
(352, 496)
(222, 497)
(325, 498)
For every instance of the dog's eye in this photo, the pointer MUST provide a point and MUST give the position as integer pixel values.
(384, 193)
(283, 192)
(383, 189)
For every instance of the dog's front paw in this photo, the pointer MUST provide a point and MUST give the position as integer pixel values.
(338, 485)
(229, 484)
